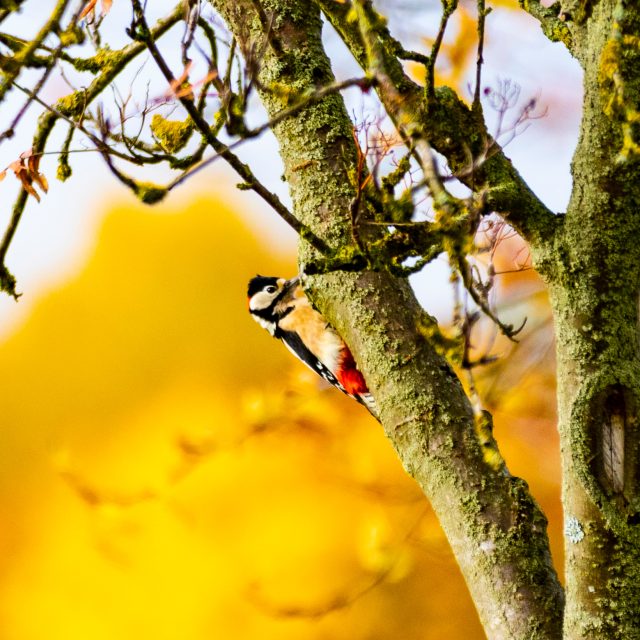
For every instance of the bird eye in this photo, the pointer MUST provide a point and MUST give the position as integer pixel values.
(271, 289)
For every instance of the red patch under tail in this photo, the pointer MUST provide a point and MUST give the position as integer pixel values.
(349, 376)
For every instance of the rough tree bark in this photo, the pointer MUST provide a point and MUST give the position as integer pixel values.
(590, 259)
(593, 270)
(495, 528)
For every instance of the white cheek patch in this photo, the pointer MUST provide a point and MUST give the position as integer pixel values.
(260, 300)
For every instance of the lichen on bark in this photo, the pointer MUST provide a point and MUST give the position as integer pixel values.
(594, 276)
(494, 526)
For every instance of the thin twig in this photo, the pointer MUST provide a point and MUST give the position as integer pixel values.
(100, 144)
(482, 14)
(191, 18)
(447, 10)
(10, 130)
(467, 278)
(219, 147)
(24, 54)
(317, 96)
(125, 55)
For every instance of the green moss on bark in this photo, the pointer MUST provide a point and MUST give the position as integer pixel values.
(495, 528)
(594, 273)
(173, 135)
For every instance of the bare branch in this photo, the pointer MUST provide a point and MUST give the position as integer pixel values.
(316, 96)
(447, 10)
(446, 122)
(482, 14)
(552, 25)
(24, 55)
(68, 108)
(219, 147)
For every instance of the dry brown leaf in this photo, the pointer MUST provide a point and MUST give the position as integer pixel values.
(41, 181)
(181, 87)
(26, 180)
(33, 162)
(90, 6)
(27, 172)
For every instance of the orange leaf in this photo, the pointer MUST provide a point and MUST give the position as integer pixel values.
(3, 175)
(41, 181)
(27, 176)
(181, 87)
(33, 163)
(90, 6)
(27, 185)
(106, 6)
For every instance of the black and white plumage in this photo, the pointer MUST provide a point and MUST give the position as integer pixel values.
(282, 308)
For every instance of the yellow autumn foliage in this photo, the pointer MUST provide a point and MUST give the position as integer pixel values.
(169, 471)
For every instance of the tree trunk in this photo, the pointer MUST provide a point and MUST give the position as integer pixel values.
(593, 272)
(494, 526)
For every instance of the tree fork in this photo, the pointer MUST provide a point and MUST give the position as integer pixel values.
(495, 528)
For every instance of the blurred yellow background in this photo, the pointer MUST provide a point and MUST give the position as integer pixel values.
(169, 471)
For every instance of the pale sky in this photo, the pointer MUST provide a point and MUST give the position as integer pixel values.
(56, 236)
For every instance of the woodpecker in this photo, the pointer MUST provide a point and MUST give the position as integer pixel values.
(282, 308)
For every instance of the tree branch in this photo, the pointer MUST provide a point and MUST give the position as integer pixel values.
(494, 526)
(316, 96)
(449, 126)
(219, 147)
(68, 108)
(22, 57)
(552, 26)
(7, 280)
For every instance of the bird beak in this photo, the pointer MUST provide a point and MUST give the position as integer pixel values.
(289, 288)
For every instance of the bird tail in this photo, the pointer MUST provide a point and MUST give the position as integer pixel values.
(367, 400)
